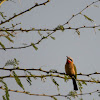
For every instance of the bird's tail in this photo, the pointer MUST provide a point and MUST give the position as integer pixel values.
(74, 84)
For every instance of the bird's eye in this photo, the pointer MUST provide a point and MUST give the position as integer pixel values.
(70, 59)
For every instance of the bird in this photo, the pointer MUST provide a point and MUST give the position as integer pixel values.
(70, 69)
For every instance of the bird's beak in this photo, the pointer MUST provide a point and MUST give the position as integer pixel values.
(67, 56)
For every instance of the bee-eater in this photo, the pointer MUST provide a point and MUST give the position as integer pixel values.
(70, 69)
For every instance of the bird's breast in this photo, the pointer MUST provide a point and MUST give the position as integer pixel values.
(69, 69)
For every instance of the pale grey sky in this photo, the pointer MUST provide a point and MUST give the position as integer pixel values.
(51, 54)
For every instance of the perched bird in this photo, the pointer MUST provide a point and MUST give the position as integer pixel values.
(70, 69)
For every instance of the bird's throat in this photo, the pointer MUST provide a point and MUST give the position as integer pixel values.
(68, 61)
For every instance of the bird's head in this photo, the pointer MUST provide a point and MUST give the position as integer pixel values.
(69, 59)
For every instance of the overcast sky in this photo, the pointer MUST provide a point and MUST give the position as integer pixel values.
(51, 54)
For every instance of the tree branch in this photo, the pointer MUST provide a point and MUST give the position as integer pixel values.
(36, 5)
(53, 30)
(45, 71)
(80, 11)
(28, 30)
(47, 95)
(50, 75)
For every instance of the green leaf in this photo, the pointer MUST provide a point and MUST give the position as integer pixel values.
(52, 37)
(18, 80)
(60, 27)
(55, 82)
(81, 98)
(78, 32)
(33, 29)
(34, 46)
(73, 94)
(93, 79)
(54, 97)
(79, 83)
(2, 46)
(29, 80)
(96, 6)
(83, 82)
(69, 98)
(44, 37)
(65, 78)
(1, 13)
(6, 96)
(53, 71)
(14, 63)
(3, 97)
(99, 29)
(88, 18)
(80, 86)
(39, 33)
(32, 75)
(9, 34)
(9, 39)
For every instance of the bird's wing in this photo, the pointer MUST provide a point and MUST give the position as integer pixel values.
(75, 70)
